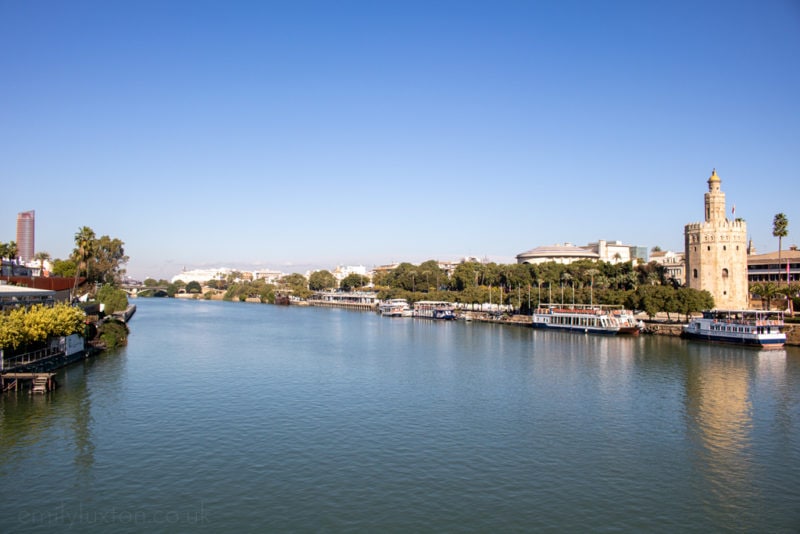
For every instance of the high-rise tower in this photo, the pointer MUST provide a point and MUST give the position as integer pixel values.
(716, 252)
(25, 234)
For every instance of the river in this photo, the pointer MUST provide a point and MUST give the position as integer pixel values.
(253, 418)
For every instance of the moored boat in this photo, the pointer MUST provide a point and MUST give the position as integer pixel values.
(394, 308)
(586, 318)
(434, 309)
(758, 328)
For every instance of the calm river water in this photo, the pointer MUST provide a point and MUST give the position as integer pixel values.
(250, 418)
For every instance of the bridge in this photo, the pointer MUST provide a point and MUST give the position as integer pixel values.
(134, 290)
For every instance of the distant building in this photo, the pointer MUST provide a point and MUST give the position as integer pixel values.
(564, 254)
(202, 275)
(765, 267)
(674, 264)
(602, 250)
(615, 252)
(26, 223)
(343, 271)
(716, 252)
(270, 277)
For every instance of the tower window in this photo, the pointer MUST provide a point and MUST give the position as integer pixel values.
(709, 247)
(724, 273)
(694, 273)
(724, 247)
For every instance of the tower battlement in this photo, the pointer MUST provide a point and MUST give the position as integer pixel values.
(716, 251)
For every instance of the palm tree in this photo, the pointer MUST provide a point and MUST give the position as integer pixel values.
(84, 247)
(765, 291)
(789, 291)
(780, 229)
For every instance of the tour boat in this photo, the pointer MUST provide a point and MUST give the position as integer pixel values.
(587, 319)
(433, 309)
(758, 328)
(394, 308)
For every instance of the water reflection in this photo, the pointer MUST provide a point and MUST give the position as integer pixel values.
(26, 421)
(719, 407)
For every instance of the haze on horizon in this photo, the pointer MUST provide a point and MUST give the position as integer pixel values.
(317, 133)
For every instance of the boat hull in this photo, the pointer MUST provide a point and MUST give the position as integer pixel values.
(760, 342)
(753, 328)
(579, 329)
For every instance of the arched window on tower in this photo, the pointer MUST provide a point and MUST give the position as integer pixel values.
(694, 273)
(724, 273)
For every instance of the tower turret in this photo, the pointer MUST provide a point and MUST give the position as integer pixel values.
(715, 199)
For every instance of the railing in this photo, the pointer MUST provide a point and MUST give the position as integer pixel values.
(28, 358)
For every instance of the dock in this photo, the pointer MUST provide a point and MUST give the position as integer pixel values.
(37, 382)
(356, 300)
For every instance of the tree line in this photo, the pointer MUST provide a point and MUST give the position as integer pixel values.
(645, 287)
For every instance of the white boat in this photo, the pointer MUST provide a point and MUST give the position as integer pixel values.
(757, 328)
(434, 309)
(586, 318)
(394, 308)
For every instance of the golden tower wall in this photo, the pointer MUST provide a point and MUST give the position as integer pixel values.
(716, 252)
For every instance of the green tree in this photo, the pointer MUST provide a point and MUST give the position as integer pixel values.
(108, 259)
(780, 229)
(765, 291)
(194, 287)
(321, 280)
(295, 283)
(353, 281)
(65, 268)
(690, 300)
(112, 298)
(84, 248)
(8, 250)
(430, 272)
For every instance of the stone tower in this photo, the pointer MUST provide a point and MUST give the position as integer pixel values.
(716, 252)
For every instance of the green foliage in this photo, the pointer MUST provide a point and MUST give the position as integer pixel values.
(113, 334)
(8, 250)
(150, 282)
(21, 327)
(194, 287)
(100, 260)
(65, 268)
(780, 226)
(321, 280)
(244, 290)
(295, 283)
(113, 299)
(353, 281)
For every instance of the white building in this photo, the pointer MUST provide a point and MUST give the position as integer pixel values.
(270, 277)
(564, 254)
(202, 275)
(343, 271)
(673, 262)
(602, 250)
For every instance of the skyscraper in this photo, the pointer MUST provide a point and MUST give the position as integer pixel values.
(25, 235)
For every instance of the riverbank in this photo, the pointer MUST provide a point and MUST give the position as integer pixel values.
(660, 326)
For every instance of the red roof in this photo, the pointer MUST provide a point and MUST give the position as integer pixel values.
(53, 283)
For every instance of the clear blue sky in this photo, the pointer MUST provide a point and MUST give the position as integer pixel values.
(287, 134)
